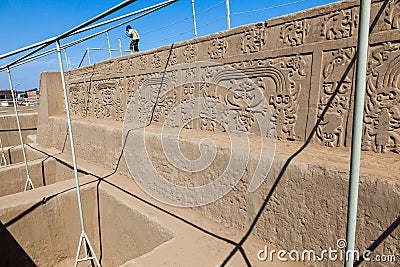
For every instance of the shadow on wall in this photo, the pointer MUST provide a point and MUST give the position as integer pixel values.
(12, 254)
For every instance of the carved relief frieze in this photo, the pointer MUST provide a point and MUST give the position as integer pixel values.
(271, 87)
(281, 81)
(103, 99)
(130, 65)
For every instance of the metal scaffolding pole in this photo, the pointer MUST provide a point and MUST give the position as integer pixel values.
(194, 19)
(83, 241)
(66, 59)
(109, 45)
(88, 55)
(228, 15)
(120, 46)
(361, 73)
(28, 182)
(3, 160)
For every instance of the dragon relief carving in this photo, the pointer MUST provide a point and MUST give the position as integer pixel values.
(334, 101)
(340, 24)
(382, 108)
(294, 33)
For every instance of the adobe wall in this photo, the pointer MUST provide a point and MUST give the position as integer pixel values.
(300, 62)
(9, 129)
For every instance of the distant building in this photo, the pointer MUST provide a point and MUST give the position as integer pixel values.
(24, 98)
(5, 98)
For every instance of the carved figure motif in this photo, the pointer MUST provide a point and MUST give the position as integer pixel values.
(190, 54)
(142, 62)
(294, 33)
(156, 60)
(253, 39)
(217, 49)
(340, 24)
(336, 92)
(382, 109)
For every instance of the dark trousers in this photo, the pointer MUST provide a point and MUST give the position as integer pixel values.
(134, 46)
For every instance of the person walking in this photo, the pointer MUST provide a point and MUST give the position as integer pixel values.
(132, 33)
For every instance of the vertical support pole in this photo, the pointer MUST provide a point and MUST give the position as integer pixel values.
(120, 46)
(28, 182)
(361, 74)
(88, 55)
(66, 59)
(228, 15)
(194, 19)
(109, 45)
(84, 241)
(3, 156)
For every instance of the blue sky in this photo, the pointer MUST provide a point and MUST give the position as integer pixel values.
(25, 22)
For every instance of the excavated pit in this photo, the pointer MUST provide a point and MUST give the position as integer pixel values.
(43, 170)
(39, 229)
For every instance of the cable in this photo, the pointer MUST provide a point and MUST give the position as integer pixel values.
(184, 19)
(267, 8)
(182, 33)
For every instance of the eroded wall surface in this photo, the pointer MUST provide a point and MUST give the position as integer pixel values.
(302, 62)
(9, 128)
